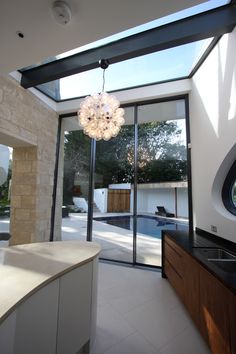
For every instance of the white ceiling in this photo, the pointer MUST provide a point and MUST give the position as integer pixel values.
(91, 20)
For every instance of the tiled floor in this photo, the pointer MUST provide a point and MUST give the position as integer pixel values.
(139, 313)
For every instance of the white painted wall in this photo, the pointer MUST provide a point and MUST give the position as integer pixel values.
(168, 89)
(182, 198)
(148, 199)
(161, 197)
(213, 135)
(100, 199)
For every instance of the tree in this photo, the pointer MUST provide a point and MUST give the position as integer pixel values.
(76, 161)
(161, 156)
(4, 188)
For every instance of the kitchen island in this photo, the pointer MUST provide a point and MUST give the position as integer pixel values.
(48, 295)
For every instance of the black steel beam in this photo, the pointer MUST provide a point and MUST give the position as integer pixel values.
(208, 24)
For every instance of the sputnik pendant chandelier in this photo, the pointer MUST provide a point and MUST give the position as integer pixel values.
(100, 115)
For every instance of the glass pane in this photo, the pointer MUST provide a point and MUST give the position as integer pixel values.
(114, 172)
(162, 201)
(5, 183)
(75, 182)
(165, 65)
(234, 194)
(205, 6)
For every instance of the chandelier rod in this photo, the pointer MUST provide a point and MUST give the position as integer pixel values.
(104, 63)
(103, 78)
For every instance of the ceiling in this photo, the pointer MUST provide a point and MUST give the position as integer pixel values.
(91, 20)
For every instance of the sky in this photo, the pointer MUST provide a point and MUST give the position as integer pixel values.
(164, 65)
(160, 66)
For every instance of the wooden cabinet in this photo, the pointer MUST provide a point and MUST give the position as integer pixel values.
(214, 313)
(211, 305)
(183, 273)
(232, 318)
(173, 267)
(191, 287)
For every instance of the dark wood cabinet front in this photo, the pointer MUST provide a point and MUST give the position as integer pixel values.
(232, 312)
(211, 305)
(191, 287)
(214, 313)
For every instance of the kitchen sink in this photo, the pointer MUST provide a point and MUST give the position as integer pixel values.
(221, 258)
(216, 254)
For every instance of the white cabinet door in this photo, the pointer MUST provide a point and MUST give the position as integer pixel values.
(74, 315)
(7, 334)
(36, 322)
(94, 302)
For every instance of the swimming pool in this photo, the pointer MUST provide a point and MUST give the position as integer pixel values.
(148, 225)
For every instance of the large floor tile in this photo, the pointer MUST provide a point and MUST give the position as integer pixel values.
(188, 341)
(158, 324)
(139, 313)
(111, 329)
(133, 344)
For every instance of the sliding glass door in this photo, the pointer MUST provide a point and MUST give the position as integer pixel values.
(162, 201)
(139, 183)
(75, 181)
(112, 205)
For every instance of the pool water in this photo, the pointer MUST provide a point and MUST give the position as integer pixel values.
(147, 225)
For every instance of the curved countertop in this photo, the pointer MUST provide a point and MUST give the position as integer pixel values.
(26, 268)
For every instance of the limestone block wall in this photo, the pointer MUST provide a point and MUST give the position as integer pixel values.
(30, 127)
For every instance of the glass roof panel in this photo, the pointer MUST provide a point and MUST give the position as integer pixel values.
(205, 6)
(164, 65)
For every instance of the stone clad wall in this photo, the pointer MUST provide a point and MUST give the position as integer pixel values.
(30, 127)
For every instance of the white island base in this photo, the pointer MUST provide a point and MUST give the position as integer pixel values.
(48, 296)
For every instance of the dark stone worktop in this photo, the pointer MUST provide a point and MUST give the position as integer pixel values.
(193, 243)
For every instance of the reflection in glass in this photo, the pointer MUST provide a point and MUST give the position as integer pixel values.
(234, 194)
(114, 173)
(5, 181)
(162, 176)
(197, 9)
(161, 182)
(165, 65)
(76, 184)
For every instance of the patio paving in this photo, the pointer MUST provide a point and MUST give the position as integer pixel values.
(116, 242)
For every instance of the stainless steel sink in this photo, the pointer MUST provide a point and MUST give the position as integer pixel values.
(216, 254)
(221, 258)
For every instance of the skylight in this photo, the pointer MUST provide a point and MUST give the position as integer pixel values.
(206, 6)
(161, 66)
(169, 64)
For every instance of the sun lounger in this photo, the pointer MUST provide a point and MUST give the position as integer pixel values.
(161, 211)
